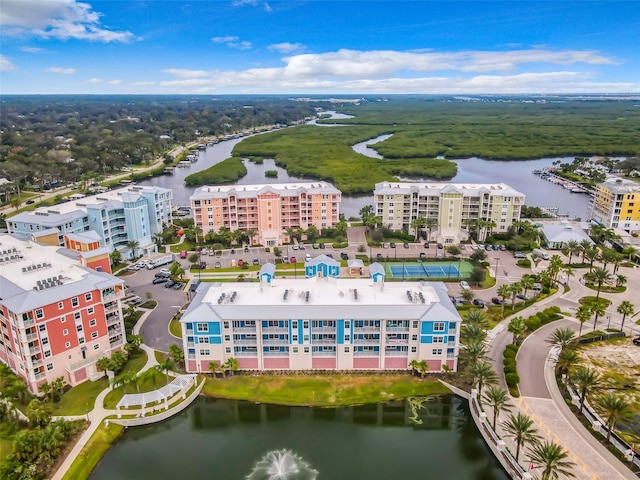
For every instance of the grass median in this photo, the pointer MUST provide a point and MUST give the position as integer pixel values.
(93, 451)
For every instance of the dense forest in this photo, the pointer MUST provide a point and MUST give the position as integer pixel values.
(51, 139)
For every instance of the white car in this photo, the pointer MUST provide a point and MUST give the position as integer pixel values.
(295, 246)
(307, 258)
(465, 285)
(165, 270)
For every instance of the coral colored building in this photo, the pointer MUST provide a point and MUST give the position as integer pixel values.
(324, 323)
(57, 317)
(268, 209)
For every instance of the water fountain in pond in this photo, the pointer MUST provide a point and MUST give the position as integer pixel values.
(282, 465)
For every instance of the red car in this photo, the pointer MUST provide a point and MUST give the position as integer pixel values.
(183, 254)
(292, 260)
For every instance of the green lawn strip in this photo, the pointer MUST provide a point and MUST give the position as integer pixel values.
(79, 399)
(6, 447)
(93, 451)
(338, 390)
(175, 329)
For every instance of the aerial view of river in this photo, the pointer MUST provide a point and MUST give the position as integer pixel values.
(516, 173)
(427, 437)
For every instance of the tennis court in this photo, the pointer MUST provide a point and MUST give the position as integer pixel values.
(429, 270)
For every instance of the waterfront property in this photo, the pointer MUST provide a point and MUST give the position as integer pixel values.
(57, 317)
(321, 323)
(117, 216)
(269, 210)
(452, 205)
(558, 235)
(614, 204)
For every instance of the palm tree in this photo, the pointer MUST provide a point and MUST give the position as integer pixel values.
(598, 309)
(164, 366)
(555, 264)
(521, 428)
(215, 367)
(429, 224)
(133, 245)
(250, 233)
(417, 224)
(527, 283)
(517, 327)
(569, 272)
(583, 314)
(621, 280)
(19, 391)
(591, 254)
(599, 276)
(498, 399)
(515, 289)
(629, 251)
(585, 379)
(478, 318)
(563, 338)
(231, 364)
(584, 246)
(614, 409)
(504, 291)
(574, 249)
(567, 359)
(176, 354)
(553, 459)
(624, 309)
(483, 374)
(473, 352)
(413, 364)
(291, 233)
(472, 333)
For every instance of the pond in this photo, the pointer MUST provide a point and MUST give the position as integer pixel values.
(423, 437)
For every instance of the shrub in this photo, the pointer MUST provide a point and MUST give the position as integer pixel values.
(555, 309)
(508, 369)
(512, 379)
(511, 347)
(509, 354)
(524, 263)
(532, 323)
(543, 316)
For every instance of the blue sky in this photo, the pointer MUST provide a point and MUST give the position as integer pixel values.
(318, 47)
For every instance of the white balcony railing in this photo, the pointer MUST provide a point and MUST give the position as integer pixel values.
(275, 354)
(324, 353)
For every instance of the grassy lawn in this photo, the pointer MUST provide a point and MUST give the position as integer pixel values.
(322, 391)
(175, 329)
(79, 399)
(93, 451)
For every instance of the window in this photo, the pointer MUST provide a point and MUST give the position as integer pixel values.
(347, 349)
(414, 324)
(226, 325)
(79, 327)
(96, 346)
(63, 319)
(47, 353)
(60, 305)
(205, 351)
(49, 367)
(414, 338)
(65, 332)
(42, 327)
(294, 338)
(227, 350)
(76, 316)
(436, 351)
(88, 297)
(90, 311)
(45, 341)
(347, 338)
(203, 339)
(202, 327)
(438, 326)
(295, 349)
(74, 302)
(227, 338)
(347, 324)
(67, 345)
(94, 335)
(414, 349)
(39, 313)
(92, 322)
(306, 349)
(306, 338)
(305, 324)
(80, 340)
(438, 339)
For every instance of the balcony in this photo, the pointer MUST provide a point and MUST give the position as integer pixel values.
(191, 356)
(111, 307)
(366, 354)
(116, 343)
(113, 320)
(275, 354)
(72, 367)
(275, 330)
(323, 341)
(34, 350)
(366, 341)
(397, 341)
(29, 322)
(366, 329)
(246, 342)
(40, 376)
(31, 337)
(324, 353)
(190, 344)
(396, 353)
(274, 342)
(398, 329)
(323, 329)
(244, 329)
(246, 354)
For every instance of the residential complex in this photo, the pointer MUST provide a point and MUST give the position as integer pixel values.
(117, 216)
(57, 317)
(268, 210)
(324, 323)
(614, 204)
(452, 205)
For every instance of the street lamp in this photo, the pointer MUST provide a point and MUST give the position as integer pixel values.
(497, 259)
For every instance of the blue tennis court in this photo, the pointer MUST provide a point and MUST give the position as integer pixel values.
(422, 270)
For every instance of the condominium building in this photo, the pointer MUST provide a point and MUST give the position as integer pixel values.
(614, 204)
(268, 210)
(57, 317)
(452, 205)
(117, 216)
(321, 323)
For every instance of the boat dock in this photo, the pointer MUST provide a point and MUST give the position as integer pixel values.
(571, 185)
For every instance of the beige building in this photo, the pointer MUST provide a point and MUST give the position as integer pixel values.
(452, 205)
(269, 210)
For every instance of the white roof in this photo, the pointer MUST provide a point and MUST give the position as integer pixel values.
(250, 191)
(435, 189)
(35, 265)
(328, 298)
(564, 233)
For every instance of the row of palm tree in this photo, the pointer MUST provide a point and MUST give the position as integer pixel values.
(420, 366)
(231, 365)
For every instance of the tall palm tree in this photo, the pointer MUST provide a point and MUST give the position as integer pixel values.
(573, 248)
(553, 459)
(515, 289)
(482, 374)
(291, 233)
(164, 366)
(504, 291)
(430, 223)
(591, 254)
(564, 338)
(555, 264)
(527, 283)
(477, 317)
(133, 245)
(417, 224)
(569, 272)
(614, 409)
(629, 251)
(624, 309)
(473, 352)
(521, 428)
(215, 367)
(251, 233)
(517, 327)
(599, 276)
(231, 364)
(567, 359)
(498, 399)
(584, 246)
(585, 380)
(583, 314)
(621, 280)
(472, 332)
(598, 309)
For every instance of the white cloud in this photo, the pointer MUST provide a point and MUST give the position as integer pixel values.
(5, 64)
(94, 80)
(233, 42)
(286, 47)
(114, 82)
(33, 50)
(62, 19)
(143, 84)
(61, 71)
(185, 73)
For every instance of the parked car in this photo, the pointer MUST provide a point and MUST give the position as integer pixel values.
(537, 287)
(165, 271)
(322, 246)
(385, 245)
(522, 296)
(440, 246)
(246, 249)
(134, 268)
(474, 246)
(392, 245)
(636, 341)
(487, 247)
(426, 245)
(465, 285)
(315, 246)
(292, 260)
(405, 245)
(178, 286)
(285, 259)
(307, 258)
(158, 280)
(519, 255)
(240, 262)
(232, 251)
(256, 261)
(456, 300)
(169, 284)
(162, 275)
(439, 255)
(379, 256)
(497, 301)
(503, 248)
(217, 265)
(301, 246)
(295, 246)
(344, 256)
(183, 254)
(30, 202)
(479, 303)
(423, 255)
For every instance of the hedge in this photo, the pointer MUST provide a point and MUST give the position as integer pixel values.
(512, 379)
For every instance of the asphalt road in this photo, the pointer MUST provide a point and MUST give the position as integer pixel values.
(532, 357)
